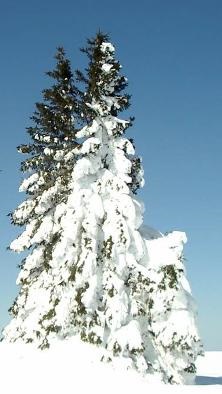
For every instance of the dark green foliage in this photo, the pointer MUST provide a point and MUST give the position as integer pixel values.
(81, 307)
(13, 310)
(94, 74)
(49, 249)
(116, 349)
(137, 351)
(88, 242)
(44, 344)
(136, 281)
(170, 380)
(49, 315)
(52, 328)
(29, 340)
(107, 247)
(191, 368)
(170, 277)
(90, 337)
(54, 116)
(136, 167)
(111, 292)
(73, 270)
(55, 123)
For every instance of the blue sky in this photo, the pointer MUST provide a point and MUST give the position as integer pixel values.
(171, 54)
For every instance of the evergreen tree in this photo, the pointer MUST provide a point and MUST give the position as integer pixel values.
(103, 276)
(49, 167)
(123, 299)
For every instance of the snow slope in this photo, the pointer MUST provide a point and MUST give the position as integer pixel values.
(72, 367)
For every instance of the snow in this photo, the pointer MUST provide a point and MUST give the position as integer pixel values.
(107, 46)
(93, 271)
(71, 367)
(90, 145)
(166, 250)
(107, 67)
(177, 324)
(48, 151)
(28, 182)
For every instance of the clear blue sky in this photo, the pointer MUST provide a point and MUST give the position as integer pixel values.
(171, 52)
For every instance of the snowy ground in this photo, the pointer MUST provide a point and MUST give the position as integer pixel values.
(71, 368)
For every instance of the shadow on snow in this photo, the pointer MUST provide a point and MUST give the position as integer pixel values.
(208, 380)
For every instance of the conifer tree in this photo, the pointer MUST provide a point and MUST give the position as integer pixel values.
(49, 167)
(103, 277)
(123, 300)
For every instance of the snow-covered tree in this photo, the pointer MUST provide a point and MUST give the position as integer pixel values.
(49, 168)
(104, 277)
(125, 301)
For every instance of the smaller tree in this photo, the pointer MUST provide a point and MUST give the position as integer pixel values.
(49, 167)
(56, 121)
